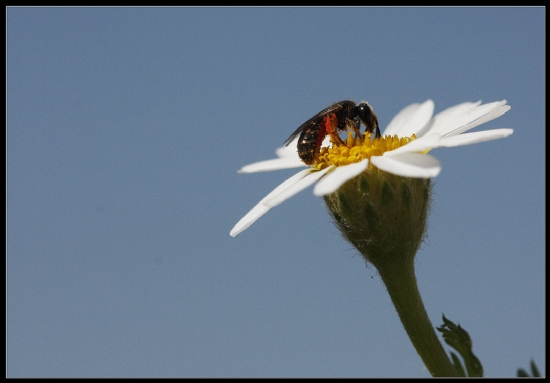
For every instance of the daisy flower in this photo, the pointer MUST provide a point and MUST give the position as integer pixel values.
(402, 151)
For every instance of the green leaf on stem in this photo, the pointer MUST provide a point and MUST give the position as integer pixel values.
(534, 371)
(459, 339)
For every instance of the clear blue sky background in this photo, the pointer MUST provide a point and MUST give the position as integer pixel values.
(126, 127)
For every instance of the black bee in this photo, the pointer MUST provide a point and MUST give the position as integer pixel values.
(337, 117)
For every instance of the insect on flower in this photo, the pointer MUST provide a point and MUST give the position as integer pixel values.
(402, 151)
(337, 117)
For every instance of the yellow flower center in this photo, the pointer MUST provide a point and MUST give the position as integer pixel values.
(357, 149)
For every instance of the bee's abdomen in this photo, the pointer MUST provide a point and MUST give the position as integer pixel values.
(307, 145)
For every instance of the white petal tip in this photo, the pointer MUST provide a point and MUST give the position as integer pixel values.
(310, 178)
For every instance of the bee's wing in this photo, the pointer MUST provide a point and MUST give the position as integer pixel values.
(311, 122)
(315, 120)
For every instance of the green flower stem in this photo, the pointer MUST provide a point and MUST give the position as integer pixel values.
(400, 280)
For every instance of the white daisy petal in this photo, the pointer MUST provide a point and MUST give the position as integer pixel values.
(288, 151)
(472, 118)
(426, 142)
(400, 119)
(411, 119)
(414, 165)
(495, 113)
(473, 138)
(336, 178)
(308, 180)
(260, 208)
(250, 217)
(274, 164)
(457, 110)
(449, 114)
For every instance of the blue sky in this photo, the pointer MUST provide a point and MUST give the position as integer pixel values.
(126, 127)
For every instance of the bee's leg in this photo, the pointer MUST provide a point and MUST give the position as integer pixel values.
(377, 132)
(375, 123)
(336, 139)
(355, 127)
(331, 127)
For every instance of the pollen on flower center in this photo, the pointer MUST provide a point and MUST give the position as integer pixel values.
(357, 149)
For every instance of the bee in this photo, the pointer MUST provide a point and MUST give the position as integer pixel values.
(337, 117)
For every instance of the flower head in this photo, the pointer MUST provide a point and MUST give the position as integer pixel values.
(402, 151)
